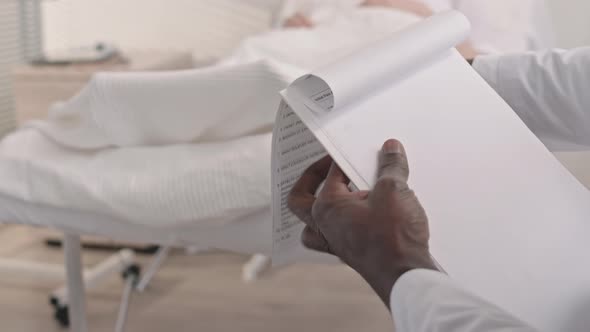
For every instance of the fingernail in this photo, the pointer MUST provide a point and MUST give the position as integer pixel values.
(392, 146)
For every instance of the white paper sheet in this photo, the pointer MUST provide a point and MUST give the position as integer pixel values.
(507, 219)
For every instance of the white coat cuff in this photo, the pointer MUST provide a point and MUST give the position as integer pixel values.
(425, 300)
(404, 290)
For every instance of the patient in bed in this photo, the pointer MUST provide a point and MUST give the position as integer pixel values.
(314, 33)
(498, 25)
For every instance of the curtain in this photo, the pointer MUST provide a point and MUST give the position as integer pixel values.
(20, 40)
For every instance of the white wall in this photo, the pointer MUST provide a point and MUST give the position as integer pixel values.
(212, 27)
(572, 22)
(209, 27)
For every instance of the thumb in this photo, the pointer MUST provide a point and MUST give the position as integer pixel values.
(393, 165)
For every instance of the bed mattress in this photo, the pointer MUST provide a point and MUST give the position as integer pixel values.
(250, 234)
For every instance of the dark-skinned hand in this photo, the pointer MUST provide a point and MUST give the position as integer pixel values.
(381, 234)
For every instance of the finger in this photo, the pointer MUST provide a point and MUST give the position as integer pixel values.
(393, 166)
(312, 177)
(302, 195)
(361, 194)
(314, 240)
(336, 180)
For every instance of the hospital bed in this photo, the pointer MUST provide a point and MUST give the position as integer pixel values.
(251, 234)
(189, 195)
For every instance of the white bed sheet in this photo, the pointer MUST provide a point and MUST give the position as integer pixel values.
(159, 186)
(249, 235)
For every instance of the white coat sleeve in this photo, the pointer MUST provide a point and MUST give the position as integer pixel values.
(548, 90)
(429, 301)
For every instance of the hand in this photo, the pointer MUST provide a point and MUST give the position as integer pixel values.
(298, 21)
(381, 234)
(411, 6)
(467, 50)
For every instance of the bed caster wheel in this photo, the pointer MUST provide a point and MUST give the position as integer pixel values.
(132, 272)
(62, 316)
(60, 312)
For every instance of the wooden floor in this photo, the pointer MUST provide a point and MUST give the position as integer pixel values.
(196, 293)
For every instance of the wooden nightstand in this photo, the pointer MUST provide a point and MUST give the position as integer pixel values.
(38, 87)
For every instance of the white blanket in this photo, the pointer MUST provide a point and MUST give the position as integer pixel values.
(172, 148)
(159, 108)
(156, 186)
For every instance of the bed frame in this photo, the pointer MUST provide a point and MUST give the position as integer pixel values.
(69, 300)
